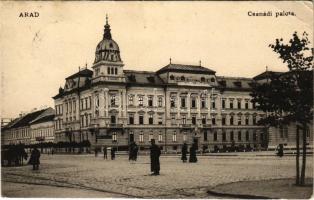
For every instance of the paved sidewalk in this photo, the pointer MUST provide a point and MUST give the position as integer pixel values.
(273, 189)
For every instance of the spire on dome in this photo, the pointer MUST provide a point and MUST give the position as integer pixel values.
(107, 34)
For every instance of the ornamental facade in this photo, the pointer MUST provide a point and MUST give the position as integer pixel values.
(110, 106)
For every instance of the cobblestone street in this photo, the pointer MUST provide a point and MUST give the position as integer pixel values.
(87, 176)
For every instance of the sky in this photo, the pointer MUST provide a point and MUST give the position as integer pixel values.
(37, 54)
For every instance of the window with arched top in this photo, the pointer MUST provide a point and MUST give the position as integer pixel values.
(212, 80)
(111, 57)
(171, 77)
(112, 70)
(108, 70)
(182, 78)
(110, 45)
(116, 70)
(202, 79)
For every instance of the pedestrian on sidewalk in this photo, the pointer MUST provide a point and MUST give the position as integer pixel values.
(105, 152)
(154, 158)
(193, 158)
(34, 159)
(113, 153)
(184, 151)
(135, 151)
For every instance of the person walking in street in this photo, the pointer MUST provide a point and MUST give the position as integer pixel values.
(34, 159)
(113, 153)
(135, 151)
(193, 158)
(131, 151)
(154, 158)
(184, 151)
(105, 152)
(96, 151)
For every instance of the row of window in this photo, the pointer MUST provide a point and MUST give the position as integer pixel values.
(19, 133)
(141, 119)
(86, 103)
(239, 122)
(184, 104)
(237, 102)
(150, 101)
(183, 78)
(58, 124)
(85, 120)
(47, 132)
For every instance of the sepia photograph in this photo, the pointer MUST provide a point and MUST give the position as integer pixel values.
(157, 99)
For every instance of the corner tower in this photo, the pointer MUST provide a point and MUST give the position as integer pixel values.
(108, 65)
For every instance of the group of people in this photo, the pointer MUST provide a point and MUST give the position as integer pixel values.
(133, 150)
(105, 151)
(184, 151)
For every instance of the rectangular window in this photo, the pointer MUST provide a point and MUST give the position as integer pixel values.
(281, 131)
(159, 101)
(141, 119)
(231, 104)
(74, 106)
(114, 136)
(239, 136)
(150, 101)
(205, 135)
(89, 102)
(223, 103)
(203, 103)
(160, 137)
(141, 137)
(215, 136)
(213, 104)
(239, 103)
(174, 137)
(246, 104)
(140, 101)
(183, 102)
(151, 136)
(223, 136)
(113, 119)
(254, 120)
(254, 136)
(131, 119)
(247, 136)
(231, 136)
(213, 121)
(86, 105)
(239, 120)
(131, 101)
(193, 103)
(173, 102)
(223, 120)
(231, 120)
(160, 119)
(193, 120)
(203, 119)
(246, 120)
(113, 100)
(183, 119)
(150, 119)
(70, 107)
(253, 105)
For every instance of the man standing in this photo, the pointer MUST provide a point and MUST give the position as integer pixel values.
(105, 152)
(34, 159)
(154, 158)
(184, 151)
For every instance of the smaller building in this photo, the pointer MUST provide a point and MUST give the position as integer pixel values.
(19, 131)
(42, 129)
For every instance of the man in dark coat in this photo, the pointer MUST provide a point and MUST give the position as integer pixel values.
(113, 153)
(105, 152)
(131, 151)
(135, 151)
(193, 158)
(184, 151)
(154, 158)
(34, 159)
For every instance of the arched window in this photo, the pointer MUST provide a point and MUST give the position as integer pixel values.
(171, 77)
(111, 57)
(108, 70)
(110, 45)
(182, 78)
(115, 70)
(212, 80)
(112, 70)
(202, 79)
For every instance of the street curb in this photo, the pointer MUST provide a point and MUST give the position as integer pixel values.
(238, 196)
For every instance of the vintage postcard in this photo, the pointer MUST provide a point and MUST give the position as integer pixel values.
(157, 100)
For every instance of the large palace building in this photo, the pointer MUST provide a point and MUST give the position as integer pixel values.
(110, 106)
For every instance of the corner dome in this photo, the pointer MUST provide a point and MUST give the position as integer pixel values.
(107, 49)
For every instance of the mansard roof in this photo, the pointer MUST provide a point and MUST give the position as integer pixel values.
(185, 69)
(46, 118)
(142, 78)
(82, 73)
(265, 75)
(234, 83)
(25, 120)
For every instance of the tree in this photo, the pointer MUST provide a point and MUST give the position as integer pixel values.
(288, 97)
